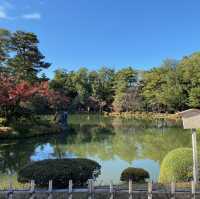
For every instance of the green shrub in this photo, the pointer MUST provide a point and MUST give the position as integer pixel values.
(2, 121)
(60, 171)
(135, 174)
(177, 166)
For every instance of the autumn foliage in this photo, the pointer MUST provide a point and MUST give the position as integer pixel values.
(15, 95)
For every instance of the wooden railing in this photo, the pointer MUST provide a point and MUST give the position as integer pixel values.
(131, 190)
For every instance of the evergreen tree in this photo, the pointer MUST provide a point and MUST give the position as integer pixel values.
(27, 60)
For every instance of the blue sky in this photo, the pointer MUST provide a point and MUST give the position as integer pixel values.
(115, 33)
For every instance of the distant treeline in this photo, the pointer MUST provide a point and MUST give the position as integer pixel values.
(171, 87)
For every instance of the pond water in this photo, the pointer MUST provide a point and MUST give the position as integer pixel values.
(113, 142)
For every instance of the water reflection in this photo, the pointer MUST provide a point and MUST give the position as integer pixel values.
(114, 143)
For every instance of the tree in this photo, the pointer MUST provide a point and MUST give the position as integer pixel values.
(132, 100)
(43, 78)
(125, 81)
(12, 94)
(82, 85)
(168, 88)
(102, 82)
(27, 60)
(63, 81)
(194, 98)
(4, 46)
(189, 71)
(119, 99)
(172, 95)
(15, 96)
(127, 75)
(162, 89)
(151, 83)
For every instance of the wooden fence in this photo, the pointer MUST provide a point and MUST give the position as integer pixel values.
(131, 190)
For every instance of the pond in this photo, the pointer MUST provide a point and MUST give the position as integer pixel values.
(113, 142)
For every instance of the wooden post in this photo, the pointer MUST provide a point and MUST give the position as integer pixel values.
(195, 159)
(90, 189)
(130, 189)
(111, 191)
(149, 190)
(32, 190)
(70, 189)
(173, 190)
(193, 184)
(10, 194)
(50, 195)
(10, 191)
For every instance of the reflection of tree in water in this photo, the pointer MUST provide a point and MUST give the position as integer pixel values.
(132, 139)
(151, 139)
(125, 146)
(90, 133)
(90, 140)
(155, 145)
(104, 143)
(85, 119)
(139, 124)
(17, 153)
(105, 138)
(14, 155)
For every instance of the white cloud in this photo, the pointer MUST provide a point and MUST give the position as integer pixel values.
(31, 16)
(5, 6)
(3, 14)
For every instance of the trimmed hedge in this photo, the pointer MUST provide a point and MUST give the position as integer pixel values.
(135, 174)
(177, 166)
(60, 171)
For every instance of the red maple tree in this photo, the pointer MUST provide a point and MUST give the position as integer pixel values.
(13, 94)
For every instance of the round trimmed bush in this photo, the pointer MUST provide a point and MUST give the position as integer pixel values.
(177, 166)
(60, 171)
(135, 174)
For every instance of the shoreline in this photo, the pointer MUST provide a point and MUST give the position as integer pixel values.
(144, 115)
(8, 133)
(52, 129)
